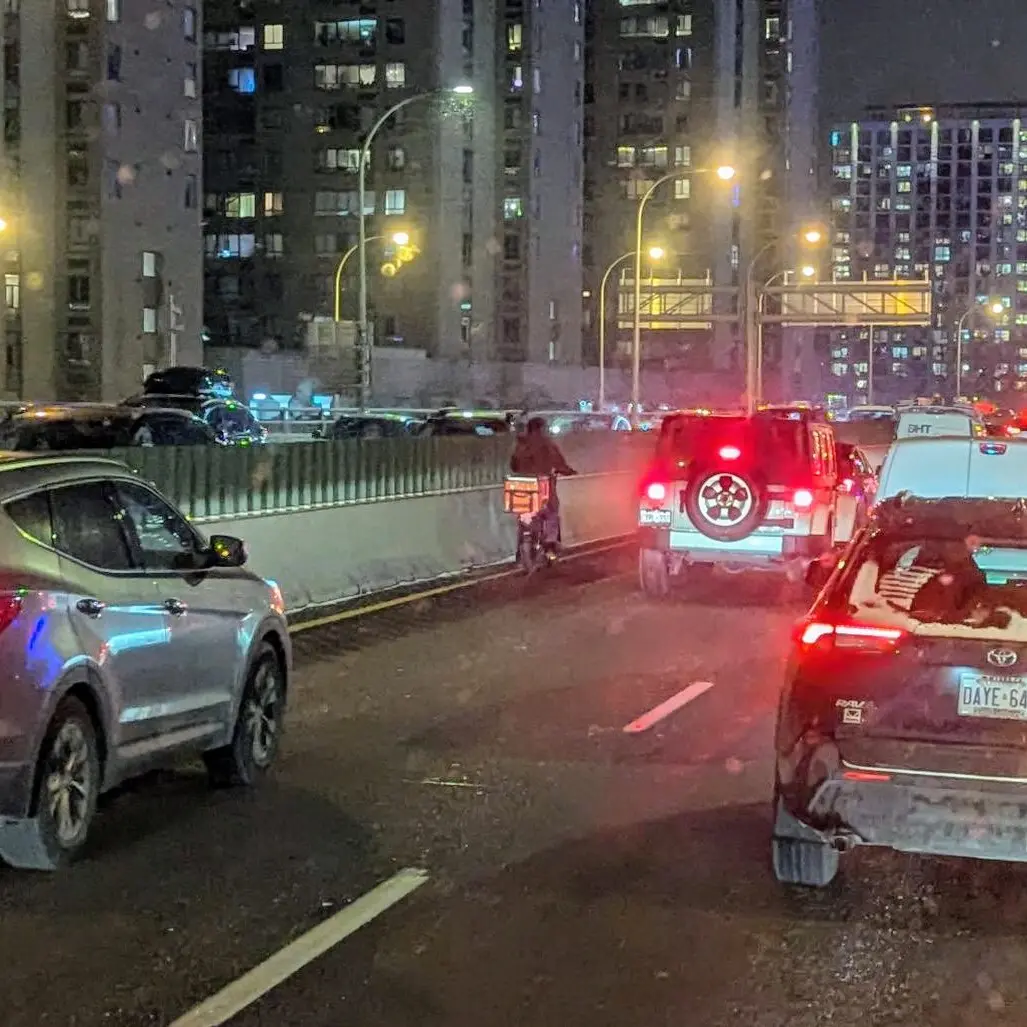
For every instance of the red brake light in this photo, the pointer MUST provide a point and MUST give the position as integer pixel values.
(803, 499)
(730, 453)
(10, 607)
(656, 491)
(847, 485)
(866, 637)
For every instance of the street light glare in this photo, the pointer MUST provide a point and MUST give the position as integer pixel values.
(725, 172)
(464, 90)
(401, 239)
(812, 236)
(807, 271)
(657, 252)
(997, 307)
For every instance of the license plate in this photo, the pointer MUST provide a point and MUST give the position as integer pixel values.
(654, 517)
(981, 695)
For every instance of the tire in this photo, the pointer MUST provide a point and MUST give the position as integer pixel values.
(653, 573)
(68, 781)
(530, 552)
(245, 761)
(725, 504)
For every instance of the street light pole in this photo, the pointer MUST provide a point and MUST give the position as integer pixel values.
(602, 326)
(364, 338)
(725, 173)
(341, 267)
(750, 322)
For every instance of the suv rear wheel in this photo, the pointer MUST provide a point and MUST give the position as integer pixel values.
(653, 573)
(726, 505)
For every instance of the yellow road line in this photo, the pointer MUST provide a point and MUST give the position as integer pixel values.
(440, 590)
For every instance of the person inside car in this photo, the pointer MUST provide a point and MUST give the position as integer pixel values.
(536, 455)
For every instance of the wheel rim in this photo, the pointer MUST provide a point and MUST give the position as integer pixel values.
(68, 782)
(262, 714)
(725, 500)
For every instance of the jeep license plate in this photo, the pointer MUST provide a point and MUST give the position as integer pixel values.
(650, 517)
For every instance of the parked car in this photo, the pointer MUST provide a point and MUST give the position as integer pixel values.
(128, 639)
(232, 422)
(467, 422)
(190, 381)
(371, 426)
(100, 426)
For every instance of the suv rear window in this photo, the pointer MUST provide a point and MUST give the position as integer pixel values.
(968, 584)
(780, 446)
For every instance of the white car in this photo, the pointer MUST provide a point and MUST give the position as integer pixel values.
(939, 422)
(941, 468)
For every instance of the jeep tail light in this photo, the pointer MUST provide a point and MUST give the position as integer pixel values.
(729, 453)
(803, 499)
(656, 491)
(823, 636)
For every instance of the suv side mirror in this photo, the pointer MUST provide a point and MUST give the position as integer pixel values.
(227, 551)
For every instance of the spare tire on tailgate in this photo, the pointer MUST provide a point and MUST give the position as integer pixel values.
(725, 504)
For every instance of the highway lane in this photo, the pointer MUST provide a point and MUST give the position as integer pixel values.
(578, 874)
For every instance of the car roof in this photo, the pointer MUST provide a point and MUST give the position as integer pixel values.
(23, 472)
(934, 468)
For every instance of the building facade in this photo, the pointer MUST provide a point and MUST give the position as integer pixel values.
(101, 191)
(680, 87)
(487, 186)
(939, 192)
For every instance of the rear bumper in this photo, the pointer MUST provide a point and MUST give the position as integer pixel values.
(908, 812)
(695, 547)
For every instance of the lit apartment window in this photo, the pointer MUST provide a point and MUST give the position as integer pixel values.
(273, 205)
(274, 244)
(190, 136)
(656, 26)
(653, 157)
(352, 30)
(149, 320)
(682, 156)
(338, 158)
(189, 82)
(514, 36)
(513, 208)
(240, 205)
(395, 75)
(772, 29)
(625, 156)
(336, 76)
(536, 80)
(396, 158)
(229, 247)
(12, 291)
(77, 8)
(516, 79)
(683, 26)
(189, 24)
(682, 188)
(395, 201)
(274, 37)
(114, 10)
(149, 264)
(243, 80)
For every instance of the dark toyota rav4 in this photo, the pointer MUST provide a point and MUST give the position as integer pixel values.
(903, 720)
(738, 492)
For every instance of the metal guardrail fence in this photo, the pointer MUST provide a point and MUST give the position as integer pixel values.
(210, 482)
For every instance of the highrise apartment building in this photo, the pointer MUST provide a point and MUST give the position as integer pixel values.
(937, 192)
(683, 86)
(487, 185)
(101, 194)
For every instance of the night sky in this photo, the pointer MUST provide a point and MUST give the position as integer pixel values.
(921, 51)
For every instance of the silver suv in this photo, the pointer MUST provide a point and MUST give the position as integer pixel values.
(128, 640)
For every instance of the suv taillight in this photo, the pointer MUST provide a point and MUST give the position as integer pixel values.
(10, 607)
(802, 499)
(822, 636)
(656, 491)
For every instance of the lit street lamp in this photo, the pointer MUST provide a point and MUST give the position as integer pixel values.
(996, 308)
(399, 238)
(811, 236)
(364, 339)
(655, 253)
(725, 173)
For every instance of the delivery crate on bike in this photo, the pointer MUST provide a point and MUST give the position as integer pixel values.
(524, 495)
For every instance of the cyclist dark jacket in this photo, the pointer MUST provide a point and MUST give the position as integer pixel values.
(536, 454)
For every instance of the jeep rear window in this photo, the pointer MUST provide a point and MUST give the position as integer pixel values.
(780, 446)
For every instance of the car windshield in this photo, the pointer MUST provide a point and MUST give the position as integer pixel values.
(937, 584)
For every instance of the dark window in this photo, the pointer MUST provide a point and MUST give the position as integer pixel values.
(88, 528)
(78, 290)
(75, 114)
(165, 539)
(274, 78)
(191, 192)
(511, 247)
(394, 31)
(114, 64)
(32, 516)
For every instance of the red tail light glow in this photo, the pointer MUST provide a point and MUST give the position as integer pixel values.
(10, 607)
(730, 453)
(1011, 429)
(803, 499)
(847, 485)
(866, 637)
(656, 491)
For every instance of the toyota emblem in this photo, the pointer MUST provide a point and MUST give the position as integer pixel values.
(1001, 657)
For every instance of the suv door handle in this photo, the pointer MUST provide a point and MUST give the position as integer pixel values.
(90, 607)
(175, 607)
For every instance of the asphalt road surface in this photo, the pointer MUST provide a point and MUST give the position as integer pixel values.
(578, 874)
